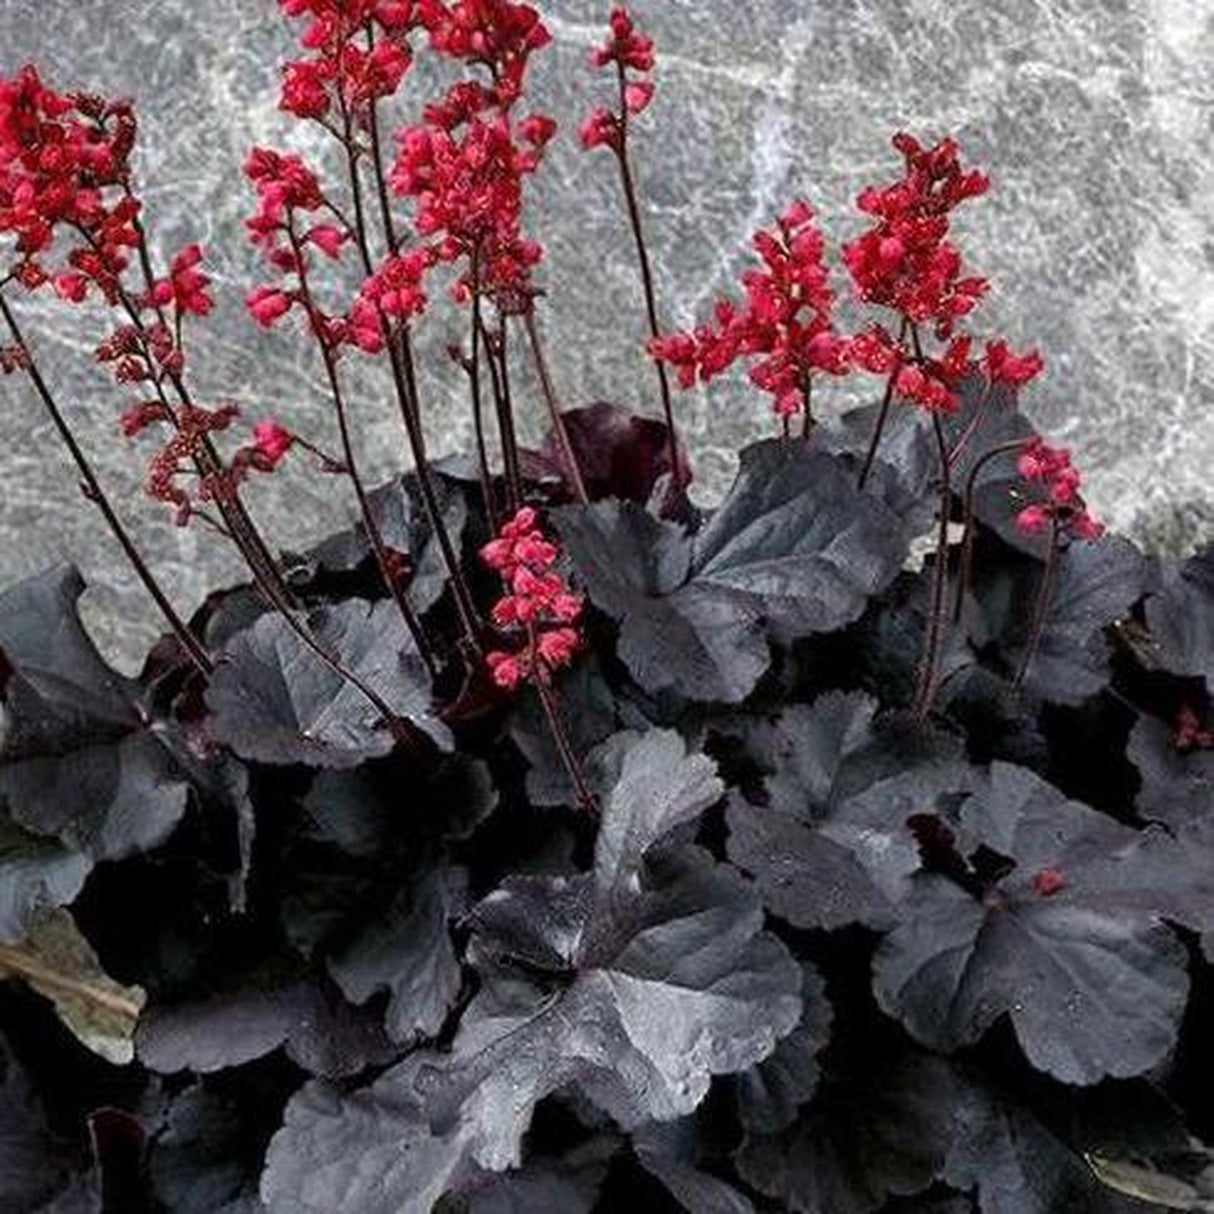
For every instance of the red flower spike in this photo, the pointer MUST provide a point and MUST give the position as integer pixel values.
(784, 322)
(538, 604)
(1061, 481)
(468, 184)
(341, 70)
(625, 45)
(904, 262)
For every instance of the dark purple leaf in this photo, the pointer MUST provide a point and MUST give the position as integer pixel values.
(206, 1156)
(77, 759)
(1093, 981)
(670, 1152)
(796, 541)
(568, 1184)
(772, 1091)
(1177, 785)
(871, 1134)
(407, 951)
(1180, 619)
(241, 1020)
(1018, 1165)
(35, 873)
(633, 984)
(673, 636)
(274, 701)
(397, 510)
(618, 453)
(830, 846)
(37, 1171)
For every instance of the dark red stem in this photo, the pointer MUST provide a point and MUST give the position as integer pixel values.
(651, 307)
(499, 376)
(967, 535)
(374, 536)
(937, 625)
(971, 429)
(1041, 608)
(474, 379)
(883, 414)
(193, 647)
(556, 725)
(404, 381)
(554, 409)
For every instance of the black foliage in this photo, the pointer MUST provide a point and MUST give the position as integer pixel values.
(809, 953)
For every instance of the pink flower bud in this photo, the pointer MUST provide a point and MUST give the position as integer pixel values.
(268, 305)
(272, 441)
(328, 239)
(637, 95)
(1033, 519)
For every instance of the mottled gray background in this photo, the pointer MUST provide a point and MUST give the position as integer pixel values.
(1093, 117)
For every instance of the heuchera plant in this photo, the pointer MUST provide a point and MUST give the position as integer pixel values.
(544, 842)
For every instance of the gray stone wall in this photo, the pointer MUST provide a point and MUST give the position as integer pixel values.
(1093, 117)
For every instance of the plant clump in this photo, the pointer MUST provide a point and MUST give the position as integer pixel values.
(544, 841)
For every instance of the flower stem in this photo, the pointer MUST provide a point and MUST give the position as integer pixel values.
(1041, 607)
(937, 625)
(243, 530)
(400, 359)
(499, 376)
(374, 536)
(971, 429)
(651, 307)
(967, 535)
(193, 647)
(554, 409)
(568, 756)
(807, 418)
(377, 161)
(474, 379)
(883, 414)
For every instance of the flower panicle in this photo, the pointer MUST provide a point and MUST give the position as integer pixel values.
(631, 54)
(1061, 506)
(538, 609)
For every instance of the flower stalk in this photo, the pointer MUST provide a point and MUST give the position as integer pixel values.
(192, 646)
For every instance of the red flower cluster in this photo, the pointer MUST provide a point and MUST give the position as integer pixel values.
(904, 261)
(62, 157)
(538, 604)
(176, 458)
(351, 66)
(287, 188)
(1062, 508)
(495, 34)
(1004, 367)
(468, 183)
(1046, 882)
(272, 441)
(629, 51)
(929, 382)
(394, 292)
(1188, 734)
(185, 287)
(785, 320)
